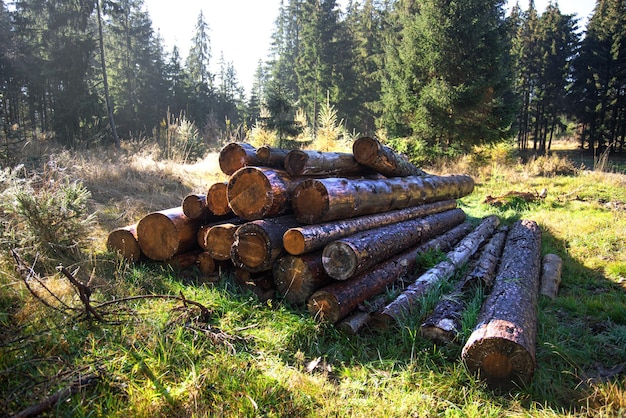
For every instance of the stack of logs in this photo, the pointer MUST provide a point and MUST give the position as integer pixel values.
(334, 231)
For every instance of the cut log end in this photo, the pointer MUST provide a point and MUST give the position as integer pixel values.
(194, 206)
(310, 203)
(217, 199)
(219, 240)
(366, 149)
(251, 250)
(298, 277)
(235, 156)
(124, 241)
(249, 193)
(294, 242)
(295, 162)
(339, 260)
(158, 236)
(323, 306)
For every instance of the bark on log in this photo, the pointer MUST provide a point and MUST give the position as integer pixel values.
(311, 163)
(298, 277)
(346, 257)
(551, 268)
(164, 234)
(258, 244)
(337, 300)
(406, 302)
(217, 199)
(272, 157)
(321, 200)
(371, 153)
(260, 192)
(444, 323)
(308, 238)
(236, 155)
(194, 207)
(220, 238)
(201, 236)
(353, 323)
(501, 349)
(124, 241)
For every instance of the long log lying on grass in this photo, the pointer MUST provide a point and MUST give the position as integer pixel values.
(272, 157)
(258, 244)
(220, 238)
(308, 238)
(444, 323)
(551, 267)
(164, 234)
(321, 200)
(217, 199)
(371, 153)
(357, 320)
(260, 192)
(501, 349)
(346, 257)
(124, 241)
(406, 302)
(236, 155)
(335, 301)
(310, 163)
(298, 277)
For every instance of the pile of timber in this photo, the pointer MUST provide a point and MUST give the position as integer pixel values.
(334, 231)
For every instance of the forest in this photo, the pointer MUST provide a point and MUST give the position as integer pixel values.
(428, 74)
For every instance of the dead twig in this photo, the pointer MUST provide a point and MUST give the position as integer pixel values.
(84, 293)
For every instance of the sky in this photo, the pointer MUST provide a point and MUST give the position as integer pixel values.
(242, 29)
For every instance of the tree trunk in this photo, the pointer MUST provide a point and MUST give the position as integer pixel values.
(260, 192)
(444, 323)
(551, 268)
(194, 207)
(166, 233)
(502, 346)
(405, 303)
(220, 238)
(321, 200)
(124, 241)
(335, 301)
(236, 155)
(298, 277)
(105, 79)
(272, 157)
(258, 244)
(201, 236)
(260, 284)
(311, 163)
(217, 199)
(371, 153)
(308, 238)
(356, 253)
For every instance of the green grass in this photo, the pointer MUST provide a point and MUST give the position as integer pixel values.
(159, 357)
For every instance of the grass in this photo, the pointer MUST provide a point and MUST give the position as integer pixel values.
(243, 357)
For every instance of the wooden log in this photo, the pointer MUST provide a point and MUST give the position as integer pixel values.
(353, 323)
(551, 268)
(260, 192)
(258, 244)
(501, 349)
(183, 261)
(371, 153)
(206, 264)
(336, 300)
(217, 199)
(322, 200)
(272, 157)
(236, 155)
(201, 236)
(298, 277)
(194, 207)
(260, 284)
(356, 253)
(409, 299)
(124, 241)
(220, 238)
(164, 234)
(444, 323)
(308, 238)
(312, 163)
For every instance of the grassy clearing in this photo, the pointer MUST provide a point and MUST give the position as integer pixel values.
(241, 357)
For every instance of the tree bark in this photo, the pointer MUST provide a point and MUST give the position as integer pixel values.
(406, 302)
(124, 241)
(260, 192)
(444, 323)
(356, 253)
(357, 320)
(194, 207)
(272, 157)
(298, 277)
(311, 163)
(220, 238)
(501, 349)
(308, 238)
(236, 155)
(217, 199)
(371, 153)
(164, 234)
(258, 244)
(321, 200)
(551, 268)
(335, 301)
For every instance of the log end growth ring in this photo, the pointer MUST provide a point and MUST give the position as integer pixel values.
(249, 193)
(323, 306)
(251, 250)
(293, 242)
(157, 236)
(365, 150)
(339, 260)
(310, 201)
